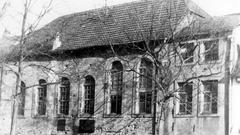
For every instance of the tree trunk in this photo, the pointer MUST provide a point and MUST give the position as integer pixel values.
(19, 74)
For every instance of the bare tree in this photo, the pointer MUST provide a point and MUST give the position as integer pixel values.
(173, 58)
(168, 51)
(20, 53)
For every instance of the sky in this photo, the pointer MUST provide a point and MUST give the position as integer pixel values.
(11, 19)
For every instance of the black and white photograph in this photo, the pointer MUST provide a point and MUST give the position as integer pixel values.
(119, 67)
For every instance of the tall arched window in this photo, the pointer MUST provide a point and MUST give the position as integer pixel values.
(42, 97)
(64, 96)
(117, 86)
(145, 86)
(89, 86)
(21, 104)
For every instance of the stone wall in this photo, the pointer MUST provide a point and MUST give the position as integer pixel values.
(32, 123)
(99, 68)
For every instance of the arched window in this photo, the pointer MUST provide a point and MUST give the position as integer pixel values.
(117, 86)
(145, 81)
(21, 104)
(145, 86)
(64, 96)
(42, 97)
(89, 86)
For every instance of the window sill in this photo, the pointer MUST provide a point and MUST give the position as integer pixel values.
(112, 115)
(183, 116)
(208, 115)
(86, 115)
(142, 115)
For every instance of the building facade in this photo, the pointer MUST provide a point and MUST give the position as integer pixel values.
(85, 88)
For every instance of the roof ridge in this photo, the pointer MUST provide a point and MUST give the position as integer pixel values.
(86, 28)
(102, 8)
(195, 8)
(232, 14)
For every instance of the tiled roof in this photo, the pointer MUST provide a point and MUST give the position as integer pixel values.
(7, 44)
(213, 25)
(120, 24)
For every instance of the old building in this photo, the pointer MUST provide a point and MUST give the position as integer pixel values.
(73, 82)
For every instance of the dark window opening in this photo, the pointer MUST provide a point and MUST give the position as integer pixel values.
(145, 85)
(21, 104)
(61, 125)
(211, 50)
(185, 98)
(210, 96)
(116, 104)
(187, 52)
(42, 97)
(89, 94)
(117, 86)
(145, 79)
(86, 126)
(145, 102)
(64, 96)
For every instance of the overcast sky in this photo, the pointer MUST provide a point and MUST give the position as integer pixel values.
(11, 19)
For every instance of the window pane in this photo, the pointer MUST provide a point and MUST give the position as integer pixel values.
(182, 97)
(189, 107)
(211, 48)
(113, 104)
(182, 108)
(145, 105)
(117, 83)
(86, 126)
(119, 104)
(64, 96)
(89, 94)
(210, 96)
(187, 52)
(149, 103)
(42, 97)
(185, 98)
(207, 107)
(214, 107)
(145, 69)
(61, 125)
(207, 96)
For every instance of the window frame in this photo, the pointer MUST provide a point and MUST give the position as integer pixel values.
(147, 103)
(143, 104)
(212, 54)
(61, 125)
(188, 95)
(116, 100)
(42, 98)
(89, 95)
(64, 98)
(116, 88)
(86, 126)
(213, 97)
(145, 69)
(188, 55)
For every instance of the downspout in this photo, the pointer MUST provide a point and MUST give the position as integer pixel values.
(227, 85)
